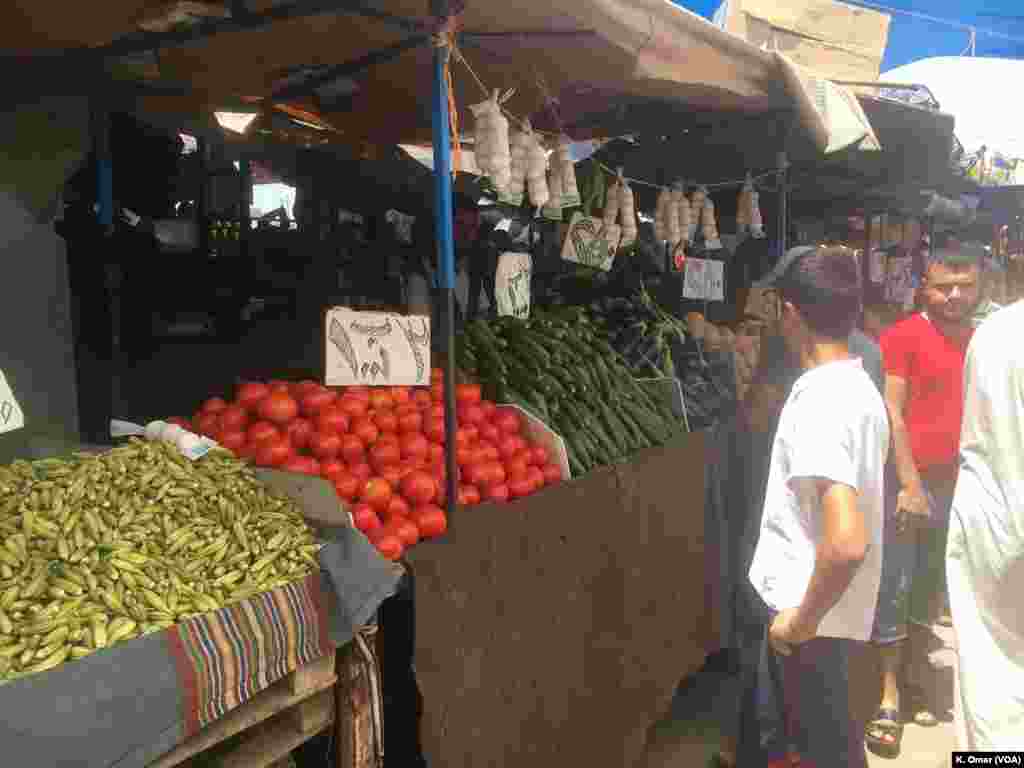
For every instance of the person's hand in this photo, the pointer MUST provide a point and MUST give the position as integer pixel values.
(912, 509)
(788, 630)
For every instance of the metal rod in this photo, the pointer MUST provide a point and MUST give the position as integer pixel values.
(446, 258)
(530, 33)
(349, 68)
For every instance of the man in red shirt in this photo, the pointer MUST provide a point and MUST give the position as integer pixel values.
(924, 362)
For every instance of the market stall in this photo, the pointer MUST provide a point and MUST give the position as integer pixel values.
(561, 377)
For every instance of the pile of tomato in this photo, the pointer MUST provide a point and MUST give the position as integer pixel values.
(382, 448)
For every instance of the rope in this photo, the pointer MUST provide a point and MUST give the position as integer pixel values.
(714, 185)
(445, 38)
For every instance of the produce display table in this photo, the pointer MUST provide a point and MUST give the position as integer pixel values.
(554, 631)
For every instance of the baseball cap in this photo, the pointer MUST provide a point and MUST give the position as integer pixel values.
(778, 272)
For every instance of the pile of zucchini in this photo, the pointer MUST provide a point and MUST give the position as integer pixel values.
(558, 366)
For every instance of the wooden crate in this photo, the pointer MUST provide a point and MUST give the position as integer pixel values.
(272, 723)
(359, 722)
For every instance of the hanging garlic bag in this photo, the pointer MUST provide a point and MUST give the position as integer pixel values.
(553, 210)
(756, 223)
(709, 228)
(482, 137)
(520, 146)
(743, 213)
(661, 215)
(492, 145)
(674, 230)
(536, 170)
(682, 206)
(696, 207)
(627, 213)
(611, 205)
(565, 165)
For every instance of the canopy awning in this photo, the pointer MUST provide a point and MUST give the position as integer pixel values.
(365, 66)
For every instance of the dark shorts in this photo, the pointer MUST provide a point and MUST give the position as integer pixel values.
(801, 703)
(913, 571)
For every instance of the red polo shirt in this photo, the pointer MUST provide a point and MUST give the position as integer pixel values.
(932, 364)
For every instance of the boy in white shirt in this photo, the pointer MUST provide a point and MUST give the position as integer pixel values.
(818, 560)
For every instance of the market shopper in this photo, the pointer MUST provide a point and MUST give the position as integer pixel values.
(985, 557)
(923, 357)
(818, 559)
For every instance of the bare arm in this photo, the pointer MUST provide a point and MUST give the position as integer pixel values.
(840, 552)
(896, 401)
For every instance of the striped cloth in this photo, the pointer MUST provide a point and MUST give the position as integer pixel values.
(227, 657)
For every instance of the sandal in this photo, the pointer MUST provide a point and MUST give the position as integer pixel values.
(884, 734)
(922, 713)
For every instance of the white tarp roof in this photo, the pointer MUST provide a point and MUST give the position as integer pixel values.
(981, 95)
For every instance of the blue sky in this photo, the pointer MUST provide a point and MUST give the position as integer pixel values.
(911, 39)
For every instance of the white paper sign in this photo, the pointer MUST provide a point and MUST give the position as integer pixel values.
(589, 242)
(11, 416)
(704, 279)
(512, 284)
(376, 348)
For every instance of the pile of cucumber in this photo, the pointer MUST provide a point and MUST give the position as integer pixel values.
(558, 366)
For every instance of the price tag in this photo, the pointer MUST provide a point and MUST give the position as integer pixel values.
(512, 284)
(589, 242)
(704, 280)
(11, 416)
(376, 348)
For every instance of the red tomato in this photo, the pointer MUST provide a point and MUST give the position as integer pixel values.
(405, 529)
(364, 518)
(414, 445)
(332, 419)
(536, 478)
(233, 418)
(419, 487)
(442, 492)
(510, 445)
(302, 388)
(410, 422)
(490, 433)
(332, 469)
(207, 423)
(467, 393)
(380, 399)
(386, 420)
(366, 431)
(435, 431)
(233, 440)
(539, 455)
(325, 445)
(352, 449)
(471, 414)
(278, 408)
(489, 452)
(488, 408)
(436, 456)
(516, 467)
(250, 393)
(397, 507)
(465, 437)
(347, 485)
(497, 492)
(260, 431)
(360, 393)
(276, 385)
(437, 392)
(477, 474)
(273, 452)
(552, 474)
(377, 493)
(353, 407)
(469, 495)
(384, 454)
(496, 474)
(300, 431)
(520, 487)
(393, 473)
(214, 405)
(303, 465)
(430, 519)
(421, 397)
(465, 456)
(361, 470)
(389, 545)
(436, 374)
(401, 395)
(313, 401)
(436, 411)
(507, 422)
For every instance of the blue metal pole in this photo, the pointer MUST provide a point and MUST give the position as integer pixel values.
(446, 258)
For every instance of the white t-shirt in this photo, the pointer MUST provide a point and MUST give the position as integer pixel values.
(833, 426)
